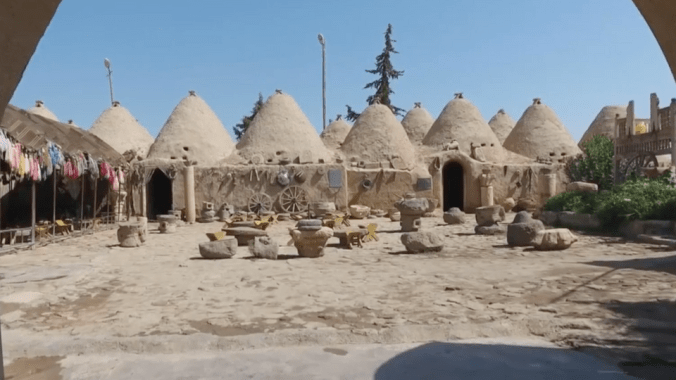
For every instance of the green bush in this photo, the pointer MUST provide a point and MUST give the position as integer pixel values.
(637, 198)
(576, 201)
(596, 164)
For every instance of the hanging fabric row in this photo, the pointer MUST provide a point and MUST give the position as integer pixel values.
(27, 164)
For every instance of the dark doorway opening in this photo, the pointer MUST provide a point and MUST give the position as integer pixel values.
(453, 186)
(160, 195)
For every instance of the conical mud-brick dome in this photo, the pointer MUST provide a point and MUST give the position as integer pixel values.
(281, 129)
(461, 121)
(540, 133)
(117, 127)
(417, 123)
(604, 124)
(378, 136)
(335, 133)
(502, 124)
(192, 132)
(43, 111)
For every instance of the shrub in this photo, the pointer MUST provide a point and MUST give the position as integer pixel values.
(576, 201)
(637, 198)
(596, 164)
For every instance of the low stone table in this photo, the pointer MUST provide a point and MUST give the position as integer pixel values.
(130, 234)
(248, 224)
(244, 235)
(342, 235)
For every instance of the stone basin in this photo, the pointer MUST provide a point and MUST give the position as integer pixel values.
(359, 211)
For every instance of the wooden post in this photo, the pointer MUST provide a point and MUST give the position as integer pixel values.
(33, 214)
(96, 186)
(108, 205)
(54, 204)
(82, 191)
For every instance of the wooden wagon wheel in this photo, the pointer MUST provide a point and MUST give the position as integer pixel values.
(294, 199)
(639, 163)
(259, 203)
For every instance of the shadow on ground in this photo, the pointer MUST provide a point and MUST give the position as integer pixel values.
(647, 348)
(450, 361)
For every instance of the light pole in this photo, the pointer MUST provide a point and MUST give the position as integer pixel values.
(323, 42)
(106, 62)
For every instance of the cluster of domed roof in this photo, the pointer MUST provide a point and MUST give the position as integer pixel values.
(280, 131)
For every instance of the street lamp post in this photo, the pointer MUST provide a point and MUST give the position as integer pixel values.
(323, 42)
(106, 62)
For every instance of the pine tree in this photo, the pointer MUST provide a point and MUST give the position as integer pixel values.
(241, 128)
(382, 86)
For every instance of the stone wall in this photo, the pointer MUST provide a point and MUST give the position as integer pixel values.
(387, 187)
(236, 184)
(509, 180)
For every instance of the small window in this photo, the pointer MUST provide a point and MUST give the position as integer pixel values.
(483, 144)
(173, 157)
(185, 148)
(552, 154)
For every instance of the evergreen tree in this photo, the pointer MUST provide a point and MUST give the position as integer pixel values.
(240, 128)
(382, 86)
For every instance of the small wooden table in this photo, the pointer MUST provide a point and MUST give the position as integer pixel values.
(350, 237)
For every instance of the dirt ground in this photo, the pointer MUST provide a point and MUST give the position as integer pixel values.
(604, 295)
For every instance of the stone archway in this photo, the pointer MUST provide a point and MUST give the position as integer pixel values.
(453, 185)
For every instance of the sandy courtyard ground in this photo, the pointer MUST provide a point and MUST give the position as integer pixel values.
(88, 295)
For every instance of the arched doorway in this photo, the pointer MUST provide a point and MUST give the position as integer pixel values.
(160, 195)
(453, 186)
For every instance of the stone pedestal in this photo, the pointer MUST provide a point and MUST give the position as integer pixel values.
(412, 209)
(410, 223)
(311, 243)
(130, 234)
(167, 223)
(189, 174)
(486, 196)
(208, 213)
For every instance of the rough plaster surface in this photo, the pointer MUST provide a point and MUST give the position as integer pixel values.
(281, 126)
(604, 123)
(41, 110)
(335, 134)
(388, 187)
(234, 185)
(539, 133)
(502, 124)
(417, 123)
(22, 25)
(377, 136)
(461, 121)
(117, 127)
(193, 125)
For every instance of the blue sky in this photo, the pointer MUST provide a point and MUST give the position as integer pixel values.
(577, 55)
